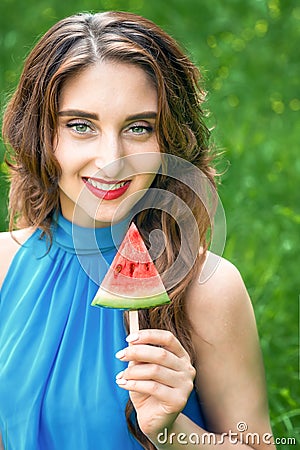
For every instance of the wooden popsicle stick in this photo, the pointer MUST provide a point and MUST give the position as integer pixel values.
(133, 321)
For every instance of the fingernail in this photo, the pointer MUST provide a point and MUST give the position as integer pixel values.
(120, 354)
(121, 381)
(132, 337)
(119, 375)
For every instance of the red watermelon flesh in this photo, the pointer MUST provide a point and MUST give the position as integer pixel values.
(132, 281)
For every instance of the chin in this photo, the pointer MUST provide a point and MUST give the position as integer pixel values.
(112, 214)
(105, 218)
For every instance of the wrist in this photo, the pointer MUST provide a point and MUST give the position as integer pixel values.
(162, 438)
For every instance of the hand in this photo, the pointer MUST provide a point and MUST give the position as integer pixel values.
(159, 378)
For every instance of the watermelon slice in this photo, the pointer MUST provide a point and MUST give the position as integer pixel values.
(132, 281)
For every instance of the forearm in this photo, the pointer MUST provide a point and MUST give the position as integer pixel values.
(185, 434)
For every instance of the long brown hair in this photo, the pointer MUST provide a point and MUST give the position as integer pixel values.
(30, 124)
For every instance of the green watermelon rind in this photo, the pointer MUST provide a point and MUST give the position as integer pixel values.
(108, 300)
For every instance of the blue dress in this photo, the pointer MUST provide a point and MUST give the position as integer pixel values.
(57, 352)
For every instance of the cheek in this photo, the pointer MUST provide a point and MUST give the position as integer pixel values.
(65, 155)
(145, 181)
(145, 164)
(56, 143)
(62, 149)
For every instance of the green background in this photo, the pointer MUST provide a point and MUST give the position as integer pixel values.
(249, 52)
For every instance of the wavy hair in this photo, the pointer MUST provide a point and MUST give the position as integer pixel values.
(30, 124)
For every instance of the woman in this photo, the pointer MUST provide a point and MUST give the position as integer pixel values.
(102, 102)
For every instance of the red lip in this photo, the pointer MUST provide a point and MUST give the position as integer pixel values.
(111, 194)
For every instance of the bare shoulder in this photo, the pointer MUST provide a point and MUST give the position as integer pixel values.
(218, 298)
(9, 245)
(228, 362)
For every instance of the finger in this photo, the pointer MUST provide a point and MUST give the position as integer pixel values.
(150, 354)
(175, 399)
(161, 338)
(157, 373)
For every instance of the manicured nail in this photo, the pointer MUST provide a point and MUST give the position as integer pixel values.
(119, 375)
(132, 337)
(121, 381)
(120, 354)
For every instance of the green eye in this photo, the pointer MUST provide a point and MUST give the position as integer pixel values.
(140, 129)
(79, 127)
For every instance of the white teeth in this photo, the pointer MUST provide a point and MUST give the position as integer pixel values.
(106, 186)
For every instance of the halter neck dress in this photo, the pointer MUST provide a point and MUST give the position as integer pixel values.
(57, 352)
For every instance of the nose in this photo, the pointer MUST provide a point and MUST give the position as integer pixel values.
(109, 158)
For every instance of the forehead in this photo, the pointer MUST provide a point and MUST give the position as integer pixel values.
(110, 85)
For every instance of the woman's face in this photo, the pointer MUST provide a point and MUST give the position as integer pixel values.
(106, 143)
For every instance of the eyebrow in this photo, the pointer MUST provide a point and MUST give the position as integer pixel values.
(143, 115)
(88, 115)
(78, 113)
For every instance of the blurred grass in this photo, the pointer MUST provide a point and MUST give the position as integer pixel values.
(249, 54)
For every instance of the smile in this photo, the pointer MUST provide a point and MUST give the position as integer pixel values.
(107, 190)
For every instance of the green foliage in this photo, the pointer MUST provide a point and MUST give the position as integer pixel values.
(249, 54)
